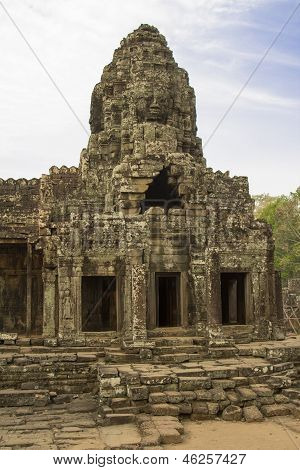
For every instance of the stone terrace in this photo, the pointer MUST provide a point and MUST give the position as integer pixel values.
(74, 398)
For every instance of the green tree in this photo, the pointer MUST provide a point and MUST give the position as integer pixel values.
(283, 214)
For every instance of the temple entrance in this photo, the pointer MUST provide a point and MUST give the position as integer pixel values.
(233, 292)
(98, 298)
(168, 299)
(21, 289)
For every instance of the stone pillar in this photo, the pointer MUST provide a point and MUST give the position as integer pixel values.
(278, 326)
(49, 278)
(67, 288)
(198, 299)
(214, 309)
(29, 288)
(260, 302)
(138, 293)
(135, 311)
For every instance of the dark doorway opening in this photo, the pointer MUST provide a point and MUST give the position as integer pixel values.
(21, 289)
(98, 298)
(233, 292)
(168, 299)
(13, 288)
(162, 192)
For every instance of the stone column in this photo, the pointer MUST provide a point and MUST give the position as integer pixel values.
(135, 308)
(49, 278)
(29, 288)
(198, 298)
(260, 300)
(67, 304)
(278, 323)
(214, 309)
(138, 293)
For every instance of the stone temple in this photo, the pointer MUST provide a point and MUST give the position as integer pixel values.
(142, 240)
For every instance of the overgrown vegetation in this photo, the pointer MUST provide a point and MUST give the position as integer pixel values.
(283, 214)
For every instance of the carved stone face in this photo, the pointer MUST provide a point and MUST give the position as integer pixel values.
(153, 105)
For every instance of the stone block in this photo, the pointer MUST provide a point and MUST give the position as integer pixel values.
(246, 393)
(194, 383)
(188, 395)
(155, 379)
(158, 397)
(222, 372)
(241, 381)
(279, 381)
(106, 372)
(24, 397)
(162, 388)
(136, 392)
(185, 408)
(291, 393)
(117, 418)
(84, 357)
(223, 383)
(50, 342)
(110, 382)
(275, 410)
(116, 403)
(23, 342)
(261, 390)
(213, 408)
(203, 395)
(252, 414)
(223, 404)
(200, 408)
(232, 413)
(170, 435)
(118, 391)
(164, 409)
(266, 400)
(174, 397)
(8, 336)
(152, 439)
(233, 397)
(280, 398)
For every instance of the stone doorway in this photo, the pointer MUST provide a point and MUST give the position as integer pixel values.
(21, 289)
(98, 295)
(233, 294)
(168, 299)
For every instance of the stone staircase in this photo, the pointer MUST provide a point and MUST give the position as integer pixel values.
(175, 349)
(238, 333)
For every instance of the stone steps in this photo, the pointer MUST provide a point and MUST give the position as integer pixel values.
(119, 357)
(12, 397)
(222, 352)
(171, 332)
(177, 341)
(176, 358)
(188, 349)
(118, 418)
(239, 334)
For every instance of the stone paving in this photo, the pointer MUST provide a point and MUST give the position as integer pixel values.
(67, 426)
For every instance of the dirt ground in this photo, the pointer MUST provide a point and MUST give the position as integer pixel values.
(281, 433)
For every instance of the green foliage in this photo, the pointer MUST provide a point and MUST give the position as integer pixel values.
(283, 214)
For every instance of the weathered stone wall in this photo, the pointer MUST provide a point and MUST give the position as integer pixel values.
(62, 373)
(248, 388)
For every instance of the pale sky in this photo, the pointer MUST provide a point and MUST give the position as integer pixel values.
(219, 42)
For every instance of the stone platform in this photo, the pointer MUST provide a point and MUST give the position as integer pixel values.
(260, 381)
